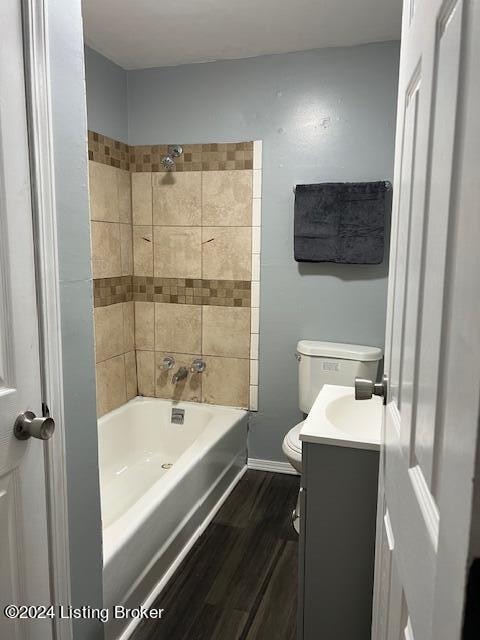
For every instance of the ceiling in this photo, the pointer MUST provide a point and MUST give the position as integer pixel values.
(138, 34)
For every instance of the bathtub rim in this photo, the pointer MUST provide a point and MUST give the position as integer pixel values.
(147, 603)
(117, 533)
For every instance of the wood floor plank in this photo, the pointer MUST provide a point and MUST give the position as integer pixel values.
(185, 593)
(240, 508)
(243, 573)
(276, 616)
(275, 506)
(218, 623)
(239, 578)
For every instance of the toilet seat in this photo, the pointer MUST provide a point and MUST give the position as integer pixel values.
(293, 438)
(292, 447)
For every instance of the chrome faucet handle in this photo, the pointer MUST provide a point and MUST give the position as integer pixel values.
(168, 363)
(198, 366)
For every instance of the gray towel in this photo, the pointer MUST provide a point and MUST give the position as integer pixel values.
(340, 222)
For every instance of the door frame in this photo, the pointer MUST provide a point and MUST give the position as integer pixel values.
(40, 140)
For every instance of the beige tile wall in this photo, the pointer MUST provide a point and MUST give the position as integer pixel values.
(115, 355)
(112, 258)
(201, 226)
(111, 221)
(189, 235)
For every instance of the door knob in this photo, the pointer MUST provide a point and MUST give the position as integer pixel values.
(27, 425)
(365, 389)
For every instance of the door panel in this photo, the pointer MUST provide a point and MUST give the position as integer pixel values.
(10, 568)
(429, 436)
(425, 446)
(405, 214)
(24, 574)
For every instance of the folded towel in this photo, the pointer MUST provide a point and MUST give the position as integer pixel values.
(340, 222)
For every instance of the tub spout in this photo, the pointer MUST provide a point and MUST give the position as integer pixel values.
(181, 374)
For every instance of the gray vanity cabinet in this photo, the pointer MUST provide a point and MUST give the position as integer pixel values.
(338, 505)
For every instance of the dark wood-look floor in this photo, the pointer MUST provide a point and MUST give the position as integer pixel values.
(239, 581)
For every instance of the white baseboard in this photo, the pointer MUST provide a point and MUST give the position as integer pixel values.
(148, 602)
(273, 466)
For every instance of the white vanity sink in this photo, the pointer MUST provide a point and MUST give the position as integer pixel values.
(336, 418)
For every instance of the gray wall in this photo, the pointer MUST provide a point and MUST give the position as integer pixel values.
(73, 227)
(323, 115)
(106, 96)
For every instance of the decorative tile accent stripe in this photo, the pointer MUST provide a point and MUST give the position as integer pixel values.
(147, 158)
(222, 293)
(196, 157)
(107, 291)
(108, 151)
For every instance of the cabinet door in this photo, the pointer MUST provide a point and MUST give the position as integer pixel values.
(337, 542)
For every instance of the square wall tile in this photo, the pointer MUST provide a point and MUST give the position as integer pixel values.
(257, 183)
(255, 315)
(103, 192)
(142, 198)
(254, 346)
(256, 240)
(256, 212)
(253, 404)
(142, 250)
(177, 198)
(178, 328)
(254, 372)
(126, 249)
(124, 187)
(129, 325)
(257, 154)
(255, 294)
(225, 381)
(177, 252)
(146, 373)
(109, 332)
(190, 388)
(255, 267)
(226, 253)
(227, 198)
(111, 389)
(131, 374)
(226, 331)
(106, 252)
(144, 326)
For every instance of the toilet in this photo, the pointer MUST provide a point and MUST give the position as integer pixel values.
(322, 363)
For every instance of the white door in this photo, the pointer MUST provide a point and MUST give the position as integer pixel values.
(432, 353)
(24, 577)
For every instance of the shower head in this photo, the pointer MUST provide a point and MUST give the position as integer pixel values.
(174, 151)
(167, 162)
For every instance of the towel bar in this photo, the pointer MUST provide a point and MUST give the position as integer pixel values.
(388, 186)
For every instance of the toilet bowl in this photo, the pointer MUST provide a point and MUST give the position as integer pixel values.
(292, 447)
(322, 363)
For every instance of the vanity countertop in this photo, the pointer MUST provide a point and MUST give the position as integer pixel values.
(336, 418)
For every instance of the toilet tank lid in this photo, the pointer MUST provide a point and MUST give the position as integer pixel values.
(339, 350)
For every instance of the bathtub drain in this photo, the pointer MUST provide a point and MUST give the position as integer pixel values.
(167, 465)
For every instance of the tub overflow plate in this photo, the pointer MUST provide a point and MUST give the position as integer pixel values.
(178, 416)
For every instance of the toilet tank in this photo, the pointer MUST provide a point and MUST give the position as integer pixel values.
(322, 363)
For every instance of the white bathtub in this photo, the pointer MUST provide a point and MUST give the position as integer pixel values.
(151, 515)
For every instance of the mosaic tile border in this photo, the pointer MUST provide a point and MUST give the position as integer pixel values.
(196, 157)
(222, 293)
(107, 291)
(108, 151)
(228, 156)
